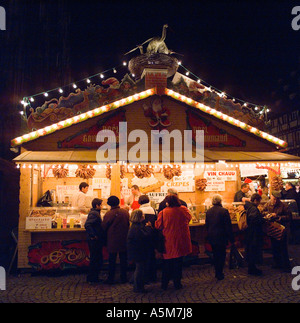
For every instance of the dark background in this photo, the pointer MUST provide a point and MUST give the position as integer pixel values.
(246, 48)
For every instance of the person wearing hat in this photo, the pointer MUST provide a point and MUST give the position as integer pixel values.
(116, 224)
(275, 210)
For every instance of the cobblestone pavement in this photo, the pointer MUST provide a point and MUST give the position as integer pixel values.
(199, 283)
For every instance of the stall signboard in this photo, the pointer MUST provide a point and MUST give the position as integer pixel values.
(38, 223)
(216, 179)
(157, 197)
(184, 183)
(215, 186)
(223, 175)
(104, 184)
(213, 136)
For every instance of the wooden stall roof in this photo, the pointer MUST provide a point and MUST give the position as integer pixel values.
(137, 97)
(90, 156)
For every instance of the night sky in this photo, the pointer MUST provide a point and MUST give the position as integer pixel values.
(247, 49)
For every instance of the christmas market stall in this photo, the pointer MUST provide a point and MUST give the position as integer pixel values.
(63, 148)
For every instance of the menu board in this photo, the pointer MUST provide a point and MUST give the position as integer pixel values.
(38, 223)
(216, 180)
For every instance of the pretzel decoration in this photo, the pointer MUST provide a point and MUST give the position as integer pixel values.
(85, 171)
(277, 183)
(170, 172)
(108, 171)
(142, 171)
(201, 184)
(72, 255)
(59, 171)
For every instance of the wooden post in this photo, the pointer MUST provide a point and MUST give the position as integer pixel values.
(115, 180)
(275, 171)
(24, 238)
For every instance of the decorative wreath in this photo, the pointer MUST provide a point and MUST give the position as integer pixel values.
(59, 171)
(142, 171)
(170, 172)
(85, 171)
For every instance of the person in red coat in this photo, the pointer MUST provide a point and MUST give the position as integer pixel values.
(174, 220)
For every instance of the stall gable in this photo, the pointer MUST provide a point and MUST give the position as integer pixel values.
(152, 113)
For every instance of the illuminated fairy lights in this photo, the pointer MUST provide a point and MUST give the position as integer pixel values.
(136, 97)
(157, 167)
(257, 108)
(225, 117)
(82, 117)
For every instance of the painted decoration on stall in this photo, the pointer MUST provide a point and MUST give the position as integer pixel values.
(200, 93)
(86, 138)
(49, 255)
(157, 113)
(92, 97)
(213, 136)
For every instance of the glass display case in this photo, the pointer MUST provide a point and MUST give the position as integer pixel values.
(61, 218)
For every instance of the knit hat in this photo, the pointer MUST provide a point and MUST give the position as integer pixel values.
(113, 201)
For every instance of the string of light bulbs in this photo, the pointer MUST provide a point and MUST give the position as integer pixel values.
(222, 94)
(294, 165)
(26, 101)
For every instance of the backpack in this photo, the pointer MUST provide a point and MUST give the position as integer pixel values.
(241, 217)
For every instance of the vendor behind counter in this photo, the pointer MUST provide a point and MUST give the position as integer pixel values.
(80, 200)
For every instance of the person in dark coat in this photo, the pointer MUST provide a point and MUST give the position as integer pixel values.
(254, 235)
(138, 239)
(289, 193)
(116, 225)
(277, 211)
(150, 216)
(163, 203)
(96, 240)
(219, 233)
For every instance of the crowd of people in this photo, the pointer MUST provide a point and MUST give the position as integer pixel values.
(131, 236)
